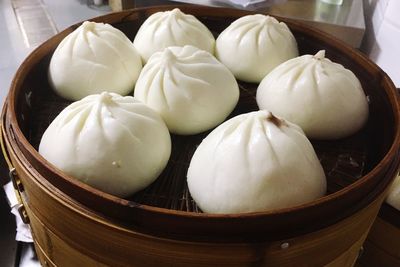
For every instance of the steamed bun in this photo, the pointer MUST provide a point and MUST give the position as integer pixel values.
(255, 162)
(190, 88)
(113, 143)
(253, 45)
(94, 58)
(322, 97)
(172, 28)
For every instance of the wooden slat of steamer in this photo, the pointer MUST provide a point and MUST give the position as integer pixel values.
(42, 257)
(65, 255)
(349, 257)
(47, 244)
(63, 224)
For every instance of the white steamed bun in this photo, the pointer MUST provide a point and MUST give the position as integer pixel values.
(253, 45)
(393, 198)
(113, 143)
(190, 88)
(94, 58)
(255, 162)
(323, 98)
(172, 28)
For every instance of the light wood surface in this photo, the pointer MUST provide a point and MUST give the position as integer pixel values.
(71, 236)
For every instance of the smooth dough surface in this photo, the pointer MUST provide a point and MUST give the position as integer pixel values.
(255, 162)
(189, 88)
(172, 28)
(325, 99)
(96, 57)
(113, 143)
(255, 44)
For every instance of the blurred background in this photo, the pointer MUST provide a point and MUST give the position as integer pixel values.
(372, 26)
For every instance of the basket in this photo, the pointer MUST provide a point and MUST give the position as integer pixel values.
(75, 224)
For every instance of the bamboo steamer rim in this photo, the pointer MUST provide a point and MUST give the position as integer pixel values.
(355, 55)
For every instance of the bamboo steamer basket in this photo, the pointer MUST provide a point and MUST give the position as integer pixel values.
(74, 224)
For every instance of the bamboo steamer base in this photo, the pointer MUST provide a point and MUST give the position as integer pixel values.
(50, 249)
(66, 234)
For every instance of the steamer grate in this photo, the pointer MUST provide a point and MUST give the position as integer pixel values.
(343, 161)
